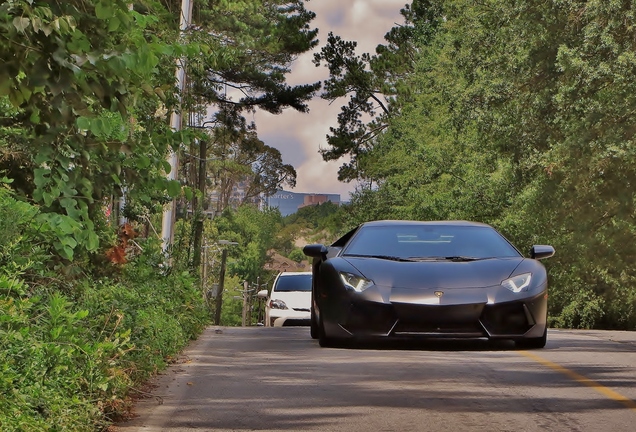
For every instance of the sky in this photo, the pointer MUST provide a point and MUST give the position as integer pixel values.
(300, 136)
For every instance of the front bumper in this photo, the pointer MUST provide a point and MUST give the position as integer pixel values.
(459, 317)
(288, 318)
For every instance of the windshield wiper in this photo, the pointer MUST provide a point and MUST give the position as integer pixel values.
(454, 258)
(384, 257)
(461, 258)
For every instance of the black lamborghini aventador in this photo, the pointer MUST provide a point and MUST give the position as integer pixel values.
(404, 279)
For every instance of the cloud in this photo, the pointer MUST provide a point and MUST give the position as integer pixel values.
(299, 137)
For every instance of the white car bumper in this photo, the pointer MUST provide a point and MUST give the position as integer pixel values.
(281, 318)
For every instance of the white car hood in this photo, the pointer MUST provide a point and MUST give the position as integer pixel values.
(294, 299)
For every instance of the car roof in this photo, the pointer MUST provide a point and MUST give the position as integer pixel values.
(285, 274)
(413, 222)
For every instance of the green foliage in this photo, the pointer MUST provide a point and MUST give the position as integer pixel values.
(297, 255)
(238, 155)
(68, 363)
(317, 216)
(255, 232)
(249, 45)
(86, 89)
(266, 36)
(48, 364)
(232, 308)
(374, 85)
(83, 85)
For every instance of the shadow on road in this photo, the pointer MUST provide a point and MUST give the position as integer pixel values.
(430, 345)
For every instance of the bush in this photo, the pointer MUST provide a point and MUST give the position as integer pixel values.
(297, 255)
(69, 357)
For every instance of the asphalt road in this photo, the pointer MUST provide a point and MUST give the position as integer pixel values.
(279, 379)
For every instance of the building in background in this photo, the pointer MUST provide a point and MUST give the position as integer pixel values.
(289, 202)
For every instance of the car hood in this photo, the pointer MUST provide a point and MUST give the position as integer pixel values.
(435, 274)
(294, 299)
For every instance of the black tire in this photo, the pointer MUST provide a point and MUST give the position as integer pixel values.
(533, 343)
(313, 326)
(323, 340)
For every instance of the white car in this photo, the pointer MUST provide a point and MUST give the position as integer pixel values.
(289, 302)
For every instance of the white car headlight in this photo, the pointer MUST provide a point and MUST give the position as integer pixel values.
(277, 304)
(355, 282)
(518, 283)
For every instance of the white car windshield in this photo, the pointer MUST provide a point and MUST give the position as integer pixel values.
(293, 283)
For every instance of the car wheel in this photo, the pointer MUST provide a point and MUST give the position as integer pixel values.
(313, 329)
(533, 343)
(323, 340)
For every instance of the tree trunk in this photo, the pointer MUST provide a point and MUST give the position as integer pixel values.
(199, 216)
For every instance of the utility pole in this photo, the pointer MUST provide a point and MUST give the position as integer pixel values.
(219, 295)
(245, 302)
(167, 224)
(249, 301)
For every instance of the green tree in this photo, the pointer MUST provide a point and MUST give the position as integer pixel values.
(255, 232)
(253, 44)
(231, 155)
(84, 87)
(238, 155)
(251, 47)
(374, 85)
(520, 116)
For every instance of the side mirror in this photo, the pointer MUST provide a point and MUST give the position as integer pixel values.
(262, 294)
(541, 251)
(316, 251)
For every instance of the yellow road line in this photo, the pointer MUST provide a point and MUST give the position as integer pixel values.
(583, 380)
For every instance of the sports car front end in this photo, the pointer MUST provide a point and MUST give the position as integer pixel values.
(359, 296)
(410, 304)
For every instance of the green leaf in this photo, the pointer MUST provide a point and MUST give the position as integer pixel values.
(113, 24)
(68, 203)
(66, 225)
(41, 176)
(104, 126)
(96, 127)
(65, 252)
(104, 10)
(143, 162)
(16, 98)
(166, 166)
(92, 243)
(174, 188)
(86, 187)
(84, 123)
(188, 193)
(6, 84)
(48, 198)
(35, 116)
(26, 93)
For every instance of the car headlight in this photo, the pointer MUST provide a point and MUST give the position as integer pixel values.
(355, 282)
(277, 304)
(518, 283)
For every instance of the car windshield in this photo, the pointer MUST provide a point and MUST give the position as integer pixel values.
(430, 242)
(301, 282)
